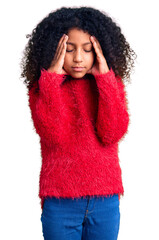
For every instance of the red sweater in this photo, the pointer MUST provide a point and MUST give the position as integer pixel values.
(80, 123)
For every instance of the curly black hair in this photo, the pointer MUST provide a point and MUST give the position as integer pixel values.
(41, 47)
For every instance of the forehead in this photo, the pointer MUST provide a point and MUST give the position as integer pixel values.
(78, 37)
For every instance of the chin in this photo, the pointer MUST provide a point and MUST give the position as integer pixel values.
(77, 75)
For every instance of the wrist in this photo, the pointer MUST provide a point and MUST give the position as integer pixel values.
(104, 69)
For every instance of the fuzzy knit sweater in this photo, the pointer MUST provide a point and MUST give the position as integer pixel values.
(80, 123)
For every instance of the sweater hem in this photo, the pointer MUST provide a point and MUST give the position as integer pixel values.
(42, 197)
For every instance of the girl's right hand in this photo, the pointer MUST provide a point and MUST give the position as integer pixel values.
(58, 61)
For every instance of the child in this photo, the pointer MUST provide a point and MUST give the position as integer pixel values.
(74, 64)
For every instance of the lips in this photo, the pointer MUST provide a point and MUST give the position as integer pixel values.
(78, 69)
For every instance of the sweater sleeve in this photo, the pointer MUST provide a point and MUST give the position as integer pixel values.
(48, 109)
(112, 116)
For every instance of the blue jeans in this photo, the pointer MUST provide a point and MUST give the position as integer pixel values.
(89, 218)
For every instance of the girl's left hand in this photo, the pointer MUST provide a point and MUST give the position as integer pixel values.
(100, 66)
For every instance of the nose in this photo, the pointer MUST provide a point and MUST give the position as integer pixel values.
(77, 56)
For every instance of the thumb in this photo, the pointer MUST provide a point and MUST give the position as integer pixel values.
(90, 71)
(64, 71)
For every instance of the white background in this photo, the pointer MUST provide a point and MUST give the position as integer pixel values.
(20, 158)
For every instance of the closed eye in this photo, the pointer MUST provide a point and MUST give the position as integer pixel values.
(69, 50)
(84, 50)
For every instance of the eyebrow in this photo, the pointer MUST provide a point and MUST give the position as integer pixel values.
(70, 43)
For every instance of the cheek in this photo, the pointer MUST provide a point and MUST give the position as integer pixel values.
(91, 59)
(66, 60)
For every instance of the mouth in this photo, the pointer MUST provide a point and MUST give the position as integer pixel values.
(78, 69)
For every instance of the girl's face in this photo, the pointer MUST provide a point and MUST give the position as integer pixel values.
(79, 55)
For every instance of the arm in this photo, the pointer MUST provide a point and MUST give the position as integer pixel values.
(48, 109)
(112, 118)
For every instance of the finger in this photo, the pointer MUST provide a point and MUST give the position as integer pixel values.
(96, 46)
(62, 51)
(58, 46)
(63, 43)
